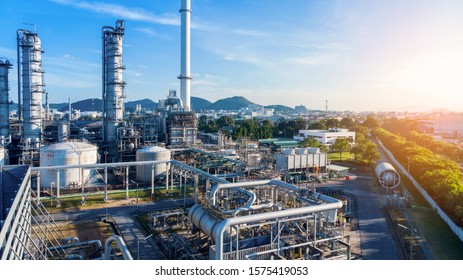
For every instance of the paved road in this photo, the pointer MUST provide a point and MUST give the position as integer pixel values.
(376, 242)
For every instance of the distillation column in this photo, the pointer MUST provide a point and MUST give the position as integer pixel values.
(30, 68)
(5, 65)
(113, 85)
(185, 77)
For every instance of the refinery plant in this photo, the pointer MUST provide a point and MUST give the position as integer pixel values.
(233, 202)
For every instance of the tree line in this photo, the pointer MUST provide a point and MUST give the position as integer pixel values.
(437, 174)
(408, 129)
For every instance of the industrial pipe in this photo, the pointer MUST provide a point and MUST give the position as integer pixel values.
(219, 229)
(216, 188)
(107, 251)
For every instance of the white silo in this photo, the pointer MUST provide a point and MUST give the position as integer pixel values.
(152, 153)
(113, 85)
(31, 83)
(66, 153)
(5, 65)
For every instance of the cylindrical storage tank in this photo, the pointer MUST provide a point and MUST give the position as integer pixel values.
(312, 150)
(66, 153)
(153, 153)
(301, 151)
(288, 152)
(387, 176)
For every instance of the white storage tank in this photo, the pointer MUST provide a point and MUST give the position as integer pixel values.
(66, 153)
(301, 151)
(387, 175)
(151, 153)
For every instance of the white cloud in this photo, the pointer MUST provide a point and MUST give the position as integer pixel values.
(151, 32)
(247, 32)
(137, 14)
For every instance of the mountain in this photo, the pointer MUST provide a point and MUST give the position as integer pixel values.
(146, 103)
(234, 103)
(198, 104)
(281, 108)
(92, 104)
(57, 106)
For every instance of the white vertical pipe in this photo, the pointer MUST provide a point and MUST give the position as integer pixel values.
(185, 76)
(106, 184)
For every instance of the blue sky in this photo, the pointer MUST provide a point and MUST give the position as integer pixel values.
(359, 55)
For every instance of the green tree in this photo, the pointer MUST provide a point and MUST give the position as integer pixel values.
(309, 142)
(371, 152)
(341, 145)
(332, 123)
(318, 125)
(347, 122)
(225, 121)
(371, 122)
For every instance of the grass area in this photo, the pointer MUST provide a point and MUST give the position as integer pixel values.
(443, 243)
(96, 199)
(87, 230)
(344, 156)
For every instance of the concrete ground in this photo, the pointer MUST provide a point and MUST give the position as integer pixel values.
(372, 240)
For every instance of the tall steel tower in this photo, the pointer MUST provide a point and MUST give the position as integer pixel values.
(30, 84)
(5, 65)
(113, 85)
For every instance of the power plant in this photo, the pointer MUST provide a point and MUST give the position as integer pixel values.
(230, 203)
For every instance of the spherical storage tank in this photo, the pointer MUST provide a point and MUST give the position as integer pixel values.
(387, 175)
(66, 153)
(151, 154)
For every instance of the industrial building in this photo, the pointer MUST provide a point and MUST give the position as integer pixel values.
(326, 137)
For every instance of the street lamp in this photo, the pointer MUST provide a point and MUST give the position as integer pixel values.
(136, 184)
(412, 235)
(138, 245)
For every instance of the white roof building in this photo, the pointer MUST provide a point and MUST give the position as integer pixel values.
(326, 137)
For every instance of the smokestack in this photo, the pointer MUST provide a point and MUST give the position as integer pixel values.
(185, 77)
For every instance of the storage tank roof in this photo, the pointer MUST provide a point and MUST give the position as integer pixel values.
(72, 146)
(153, 149)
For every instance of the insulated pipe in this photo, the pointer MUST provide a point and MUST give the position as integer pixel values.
(216, 188)
(107, 249)
(332, 204)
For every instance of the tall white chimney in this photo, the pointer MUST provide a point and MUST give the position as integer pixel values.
(185, 77)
